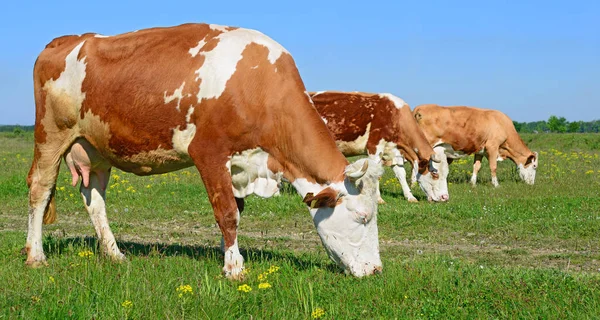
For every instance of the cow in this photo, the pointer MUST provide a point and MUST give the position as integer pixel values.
(460, 131)
(382, 127)
(227, 100)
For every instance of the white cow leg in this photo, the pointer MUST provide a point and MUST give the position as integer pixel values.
(234, 262)
(379, 198)
(94, 197)
(401, 176)
(42, 181)
(413, 174)
(476, 166)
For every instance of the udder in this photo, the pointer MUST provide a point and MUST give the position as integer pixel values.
(83, 159)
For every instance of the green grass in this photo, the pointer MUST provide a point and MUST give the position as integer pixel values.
(516, 251)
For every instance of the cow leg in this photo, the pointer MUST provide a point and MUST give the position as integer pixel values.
(493, 159)
(379, 198)
(240, 205)
(413, 174)
(217, 181)
(42, 183)
(476, 167)
(400, 173)
(94, 198)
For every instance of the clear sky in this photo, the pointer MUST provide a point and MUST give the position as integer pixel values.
(529, 59)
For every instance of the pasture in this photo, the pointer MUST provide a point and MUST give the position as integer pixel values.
(517, 251)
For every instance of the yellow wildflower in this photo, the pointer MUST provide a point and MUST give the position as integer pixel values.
(264, 285)
(51, 279)
(245, 288)
(317, 313)
(589, 172)
(127, 304)
(262, 276)
(184, 289)
(273, 269)
(85, 253)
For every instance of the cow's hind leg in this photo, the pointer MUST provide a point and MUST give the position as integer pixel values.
(94, 198)
(217, 180)
(42, 184)
(476, 166)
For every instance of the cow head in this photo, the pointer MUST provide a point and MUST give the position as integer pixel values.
(433, 176)
(527, 171)
(345, 215)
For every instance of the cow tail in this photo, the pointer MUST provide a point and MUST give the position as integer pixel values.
(50, 213)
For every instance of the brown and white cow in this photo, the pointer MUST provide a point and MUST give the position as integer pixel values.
(461, 131)
(382, 126)
(227, 100)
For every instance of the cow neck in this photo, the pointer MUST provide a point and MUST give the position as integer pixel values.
(411, 133)
(517, 150)
(308, 152)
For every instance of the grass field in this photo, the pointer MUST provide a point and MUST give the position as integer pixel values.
(516, 251)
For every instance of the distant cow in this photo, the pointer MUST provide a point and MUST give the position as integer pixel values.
(462, 131)
(382, 126)
(227, 100)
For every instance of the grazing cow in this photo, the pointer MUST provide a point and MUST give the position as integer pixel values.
(382, 126)
(227, 100)
(461, 131)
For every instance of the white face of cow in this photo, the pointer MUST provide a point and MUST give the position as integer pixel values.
(527, 171)
(435, 182)
(347, 222)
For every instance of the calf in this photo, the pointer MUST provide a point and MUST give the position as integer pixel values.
(226, 100)
(461, 131)
(382, 126)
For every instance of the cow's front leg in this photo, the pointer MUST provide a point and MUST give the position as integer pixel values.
(493, 159)
(400, 173)
(94, 199)
(217, 180)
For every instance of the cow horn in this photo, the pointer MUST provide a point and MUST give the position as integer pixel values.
(359, 173)
(436, 158)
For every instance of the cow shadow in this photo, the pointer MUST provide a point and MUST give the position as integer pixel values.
(59, 246)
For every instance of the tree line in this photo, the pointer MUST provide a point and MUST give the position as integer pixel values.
(558, 125)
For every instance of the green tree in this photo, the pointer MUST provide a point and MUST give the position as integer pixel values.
(556, 124)
(574, 126)
(518, 126)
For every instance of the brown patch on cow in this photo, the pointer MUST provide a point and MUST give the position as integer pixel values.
(110, 62)
(326, 198)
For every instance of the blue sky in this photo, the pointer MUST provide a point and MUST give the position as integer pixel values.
(529, 59)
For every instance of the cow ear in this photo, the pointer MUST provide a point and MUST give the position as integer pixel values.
(418, 116)
(326, 198)
(530, 159)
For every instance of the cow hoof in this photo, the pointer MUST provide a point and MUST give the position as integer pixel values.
(234, 276)
(36, 264)
(413, 200)
(118, 258)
